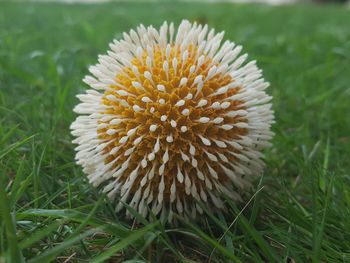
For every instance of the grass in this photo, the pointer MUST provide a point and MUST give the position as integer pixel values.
(301, 207)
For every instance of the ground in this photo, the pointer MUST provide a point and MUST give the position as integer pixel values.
(298, 212)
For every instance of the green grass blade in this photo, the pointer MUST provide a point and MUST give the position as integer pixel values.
(6, 136)
(89, 216)
(50, 254)
(136, 215)
(41, 233)
(22, 188)
(125, 242)
(211, 241)
(114, 229)
(323, 179)
(266, 249)
(16, 183)
(319, 237)
(5, 213)
(12, 147)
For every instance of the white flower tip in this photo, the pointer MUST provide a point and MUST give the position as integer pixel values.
(153, 127)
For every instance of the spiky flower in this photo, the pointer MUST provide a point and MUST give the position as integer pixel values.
(173, 121)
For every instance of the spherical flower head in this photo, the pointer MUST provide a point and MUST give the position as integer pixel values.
(174, 121)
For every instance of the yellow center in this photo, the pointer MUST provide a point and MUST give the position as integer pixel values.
(175, 124)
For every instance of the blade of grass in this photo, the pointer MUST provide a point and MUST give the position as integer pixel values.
(256, 203)
(14, 146)
(322, 182)
(16, 183)
(50, 254)
(41, 233)
(125, 242)
(319, 237)
(234, 221)
(5, 212)
(211, 241)
(114, 229)
(266, 249)
(89, 216)
(37, 167)
(136, 215)
(6, 136)
(165, 238)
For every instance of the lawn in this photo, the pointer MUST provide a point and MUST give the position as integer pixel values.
(299, 210)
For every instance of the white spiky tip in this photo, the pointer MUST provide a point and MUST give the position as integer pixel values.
(173, 119)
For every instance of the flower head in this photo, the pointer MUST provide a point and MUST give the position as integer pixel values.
(173, 119)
